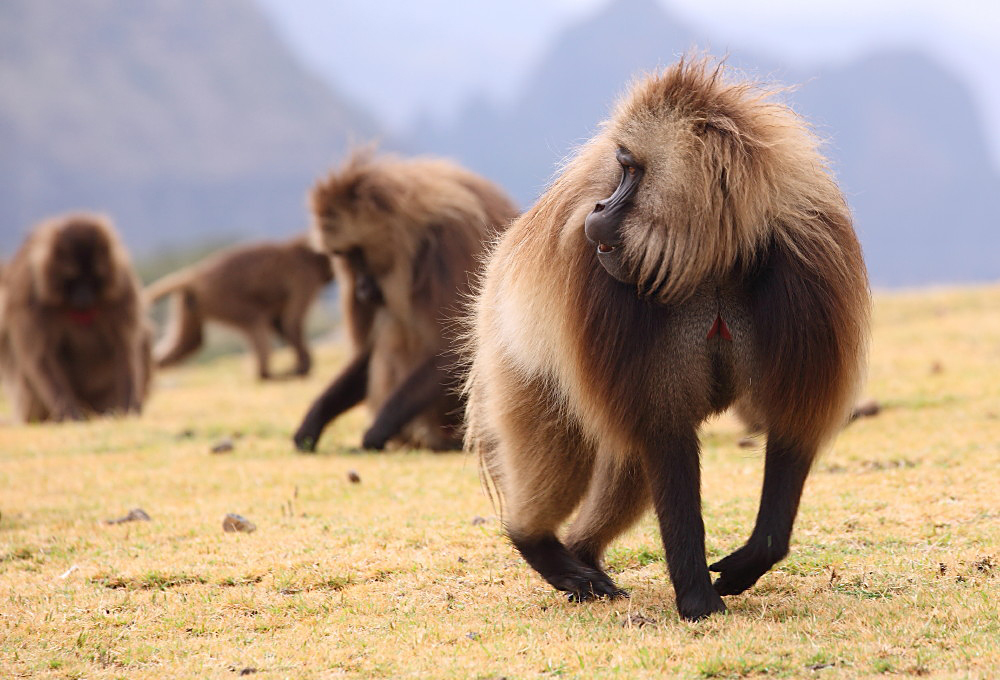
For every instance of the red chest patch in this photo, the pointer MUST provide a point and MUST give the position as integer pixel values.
(719, 328)
(82, 317)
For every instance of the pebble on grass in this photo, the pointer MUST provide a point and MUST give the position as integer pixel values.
(234, 522)
(134, 515)
(223, 446)
(638, 620)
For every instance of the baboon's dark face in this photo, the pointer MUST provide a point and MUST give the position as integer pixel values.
(364, 243)
(366, 288)
(603, 225)
(80, 267)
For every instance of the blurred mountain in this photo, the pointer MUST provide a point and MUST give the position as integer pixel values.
(904, 137)
(182, 119)
(910, 150)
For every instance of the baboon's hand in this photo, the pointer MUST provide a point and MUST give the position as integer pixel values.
(740, 570)
(304, 441)
(373, 440)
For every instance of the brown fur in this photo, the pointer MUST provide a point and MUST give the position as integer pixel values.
(73, 340)
(414, 229)
(259, 289)
(587, 391)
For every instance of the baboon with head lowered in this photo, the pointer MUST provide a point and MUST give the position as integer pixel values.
(73, 339)
(259, 289)
(694, 254)
(406, 237)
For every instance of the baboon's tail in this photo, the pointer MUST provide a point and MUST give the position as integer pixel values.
(170, 283)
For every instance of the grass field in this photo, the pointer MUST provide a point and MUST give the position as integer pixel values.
(895, 564)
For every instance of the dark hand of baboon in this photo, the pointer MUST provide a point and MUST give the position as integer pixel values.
(694, 255)
(73, 339)
(262, 290)
(346, 390)
(406, 238)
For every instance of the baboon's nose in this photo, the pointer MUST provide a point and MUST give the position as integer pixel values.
(601, 226)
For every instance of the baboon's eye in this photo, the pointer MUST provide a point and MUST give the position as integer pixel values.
(627, 161)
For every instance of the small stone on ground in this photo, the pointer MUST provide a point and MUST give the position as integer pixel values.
(638, 620)
(234, 522)
(134, 515)
(223, 446)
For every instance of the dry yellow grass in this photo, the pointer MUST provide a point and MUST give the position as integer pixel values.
(894, 566)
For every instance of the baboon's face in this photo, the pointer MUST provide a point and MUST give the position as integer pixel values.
(336, 232)
(662, 202)
(344, 237)
(604, 224)
(366, 288)
(80, 268)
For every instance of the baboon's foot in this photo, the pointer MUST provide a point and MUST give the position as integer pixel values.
(566, 572)
(590, 585)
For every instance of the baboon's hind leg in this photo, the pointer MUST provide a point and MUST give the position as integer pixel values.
(184, 335)
(291, 327)
(541, 489)
(259, 337)
(617, 497)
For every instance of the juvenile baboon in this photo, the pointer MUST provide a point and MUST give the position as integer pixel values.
(73, 339)
(406, 237)
(695, 253)
(258, 289)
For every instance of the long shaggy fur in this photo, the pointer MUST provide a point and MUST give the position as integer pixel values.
(63, 362)
(743, 222)
(420, 226)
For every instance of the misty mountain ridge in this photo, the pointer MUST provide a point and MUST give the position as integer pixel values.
(903, 133)
(181, 119)
(187, 121)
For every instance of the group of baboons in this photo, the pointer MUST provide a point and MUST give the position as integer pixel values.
(696, 254)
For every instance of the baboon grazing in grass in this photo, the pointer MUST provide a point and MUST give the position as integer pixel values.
(262, 290)
(406, 237)
(73, 336)
(696, 253)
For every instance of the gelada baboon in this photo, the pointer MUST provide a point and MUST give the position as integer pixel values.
(73, 337)
(259, 289)
(406, 237)
(695, 253)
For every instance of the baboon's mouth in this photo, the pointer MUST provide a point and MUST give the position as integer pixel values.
(605, 248)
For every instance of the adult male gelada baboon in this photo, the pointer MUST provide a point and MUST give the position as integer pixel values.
(694, 254)
(73, 338)
(260, 289)
(406, 237)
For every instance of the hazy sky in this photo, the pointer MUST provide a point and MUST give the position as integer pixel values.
(401, 59)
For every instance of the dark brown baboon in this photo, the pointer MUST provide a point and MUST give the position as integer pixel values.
(260, 289)
(405, 236)
(694, 254)
(73, 338)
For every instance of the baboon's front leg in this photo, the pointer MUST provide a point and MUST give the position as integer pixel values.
(672, 467)
(785, 469)
(43, 373)
(346, 390)
(411, 398)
